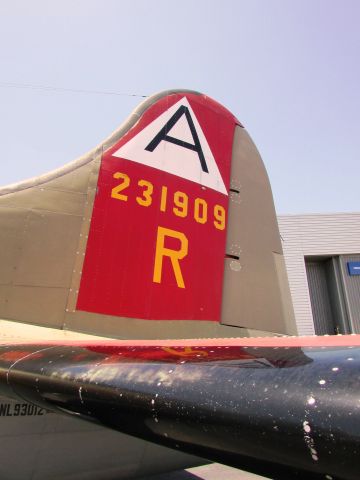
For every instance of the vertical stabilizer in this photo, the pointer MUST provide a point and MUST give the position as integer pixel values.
(167, 229)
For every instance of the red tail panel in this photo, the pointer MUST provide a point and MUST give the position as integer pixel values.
(157, 237)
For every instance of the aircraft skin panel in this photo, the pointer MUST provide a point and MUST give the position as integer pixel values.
(252, 244)
(52, 445)
(282, 407)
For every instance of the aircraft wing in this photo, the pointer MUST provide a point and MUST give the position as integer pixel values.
(282, 407)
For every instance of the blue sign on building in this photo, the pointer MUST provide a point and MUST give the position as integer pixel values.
(354, 268)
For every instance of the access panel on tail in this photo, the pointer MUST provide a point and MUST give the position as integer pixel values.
(167, 229)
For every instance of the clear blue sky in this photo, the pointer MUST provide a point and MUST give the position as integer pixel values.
(288, 69)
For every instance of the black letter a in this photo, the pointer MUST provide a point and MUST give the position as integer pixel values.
(162, 135)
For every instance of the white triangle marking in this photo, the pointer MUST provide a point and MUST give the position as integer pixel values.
(172, 158)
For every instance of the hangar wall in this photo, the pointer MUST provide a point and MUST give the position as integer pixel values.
(317, 249)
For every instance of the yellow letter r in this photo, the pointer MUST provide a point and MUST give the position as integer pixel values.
(174, 255)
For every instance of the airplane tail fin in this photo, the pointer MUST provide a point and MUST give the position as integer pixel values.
(166, 229)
